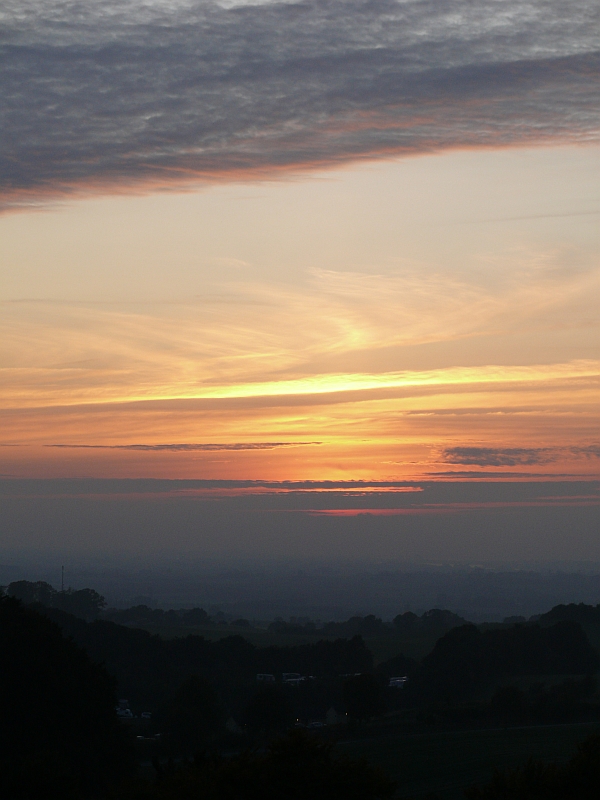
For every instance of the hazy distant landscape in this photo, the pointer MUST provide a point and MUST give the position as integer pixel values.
(329, 591)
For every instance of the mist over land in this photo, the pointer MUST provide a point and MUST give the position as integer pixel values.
(336, 593)
(329, 591)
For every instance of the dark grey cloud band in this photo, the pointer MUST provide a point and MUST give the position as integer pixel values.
(97, 95)
(515, 456)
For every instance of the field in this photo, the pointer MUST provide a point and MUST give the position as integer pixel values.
(445, 763)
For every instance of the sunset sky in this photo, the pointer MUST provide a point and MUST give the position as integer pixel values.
(328, 241)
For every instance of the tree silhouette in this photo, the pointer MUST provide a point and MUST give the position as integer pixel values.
(268, 711)
(29, 592)
(83, 603)
(465, 656)
(363, 697)
(191, 717)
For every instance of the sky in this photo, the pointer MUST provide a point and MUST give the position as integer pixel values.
(337, 251)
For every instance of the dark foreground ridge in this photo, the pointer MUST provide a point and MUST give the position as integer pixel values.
(59, 735)
(226, 719)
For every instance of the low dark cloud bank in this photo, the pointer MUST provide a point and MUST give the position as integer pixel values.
(109, 95)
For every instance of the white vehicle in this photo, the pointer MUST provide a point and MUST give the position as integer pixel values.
(397, 683)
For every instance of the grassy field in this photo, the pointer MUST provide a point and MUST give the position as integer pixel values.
(446, 763)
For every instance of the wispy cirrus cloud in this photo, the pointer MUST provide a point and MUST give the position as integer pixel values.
(99, 96)
(303, 340)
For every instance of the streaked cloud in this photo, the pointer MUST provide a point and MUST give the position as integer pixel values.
(591, 451)
(515, 456)
(501, 457)
(112, 96)
(457, 507)
(188, 447)
(88, 486)
(337, 332)
(325, 498)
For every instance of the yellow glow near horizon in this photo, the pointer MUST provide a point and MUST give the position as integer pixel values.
(453, 376)
(316, 384)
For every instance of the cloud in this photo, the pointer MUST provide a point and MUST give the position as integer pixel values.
(102, 96)
(185, 447)
(477, 474)
(591, 451)
(337, 334)
(515, 456)
(344, 499)
(502, 457)
(86, 486)
(449, 508)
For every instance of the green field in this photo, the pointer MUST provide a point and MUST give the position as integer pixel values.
(447, 762)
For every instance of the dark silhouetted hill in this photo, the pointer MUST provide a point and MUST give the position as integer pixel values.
(59, 734)
(574, 612)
